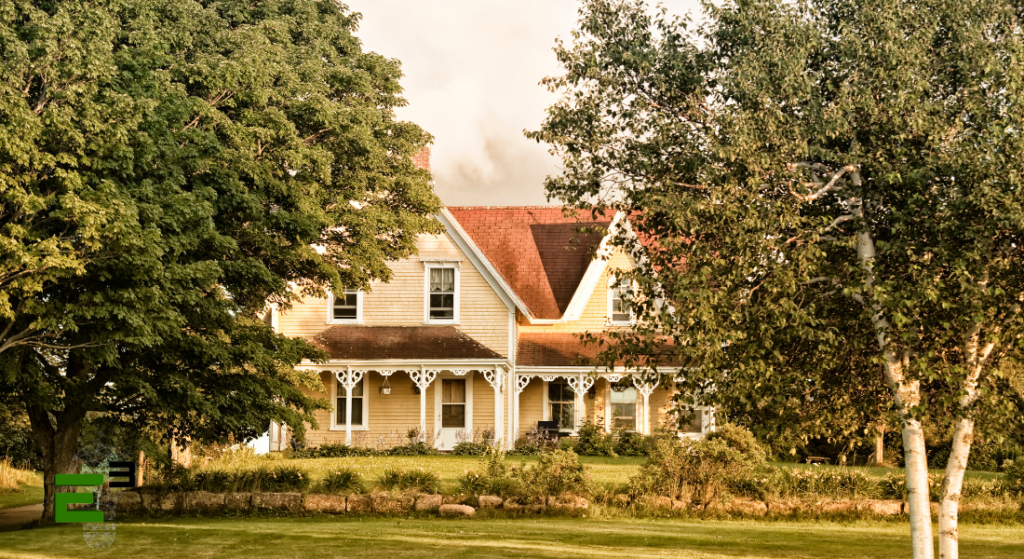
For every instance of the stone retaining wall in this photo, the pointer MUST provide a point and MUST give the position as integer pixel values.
(385, 503)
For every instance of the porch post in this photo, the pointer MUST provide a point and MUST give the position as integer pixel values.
(496, 378)
(645, 388)
(423, 378)
(580, 385)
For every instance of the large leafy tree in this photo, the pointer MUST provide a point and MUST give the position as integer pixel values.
(168, 169)
(824, 176)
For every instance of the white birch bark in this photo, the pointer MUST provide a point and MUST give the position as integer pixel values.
(905, 393)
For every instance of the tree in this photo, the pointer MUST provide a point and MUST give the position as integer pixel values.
(168, 170)
(820, 174)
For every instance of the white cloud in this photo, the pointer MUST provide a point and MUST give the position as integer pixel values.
(472, 69)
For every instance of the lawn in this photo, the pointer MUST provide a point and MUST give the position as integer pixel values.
(255, 538)
(29, 494)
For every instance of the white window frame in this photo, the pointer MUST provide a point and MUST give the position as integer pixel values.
(427, 267)
(335, 426)
(576, 403)
(359, 310)
(706, 422)
(638, 404)
(613, 283)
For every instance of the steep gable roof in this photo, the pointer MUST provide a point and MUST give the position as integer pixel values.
(538, 251)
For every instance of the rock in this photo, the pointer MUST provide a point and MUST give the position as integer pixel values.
(456, 510)
(535, 509)
(331, 504)
(277, 501)
(510, 506)
(450, 500)
(150, 502)
(885, 508)
(569, 502)
(201, 501)
(238, 501)
(678, 505)
(360, 504)
(621, 500)
(489, 501)
(428, 503)
(172, 502)
(129, 501)
(385, 504)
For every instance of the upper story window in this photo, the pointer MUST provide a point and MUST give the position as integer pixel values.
(346, 307)
(618, 301)
(442, 294)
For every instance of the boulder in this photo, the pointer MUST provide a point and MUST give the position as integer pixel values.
(129, 501)
(886, 508)
(277, 501)
(456, 510)
(202, 501)
(489, 501)
(360, 504)
(678, 505)
(534, 509)
(331, 504)
(238, 501)
(172, 502)
(428, 503)
(385, 504)
(569, 502)
(511, 506)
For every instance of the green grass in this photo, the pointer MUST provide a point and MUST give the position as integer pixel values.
(29, 494)
(878, 471)
(256, 538)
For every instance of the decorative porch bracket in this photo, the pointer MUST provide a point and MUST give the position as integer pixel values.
(496, 379)
(646, 388)
(580, 385)
(348, 379)
(423, 378)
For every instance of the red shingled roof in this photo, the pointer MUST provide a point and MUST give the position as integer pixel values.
(539, 252)
(400, 342)
(549, 349)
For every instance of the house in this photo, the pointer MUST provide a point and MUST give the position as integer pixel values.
(480, 332)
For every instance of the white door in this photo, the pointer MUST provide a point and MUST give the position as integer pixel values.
(454, 405)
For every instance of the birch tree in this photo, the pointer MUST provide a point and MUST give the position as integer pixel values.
(823, 174)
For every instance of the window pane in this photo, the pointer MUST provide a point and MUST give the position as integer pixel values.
(453, 391)
(624, 416)
(340, 419)
(691, 421)
(564, 414)
(559, 391)
(346, 305)
(453, 416)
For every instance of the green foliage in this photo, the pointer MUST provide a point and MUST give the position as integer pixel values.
(1015, 476)
(470, 449)
(262, 478)
(556, 473)
(631, 443)
(823, 187)
(593, 441)
(345, 481)
(418, 448)
(418, 480)
(495, 477)
(698, 470)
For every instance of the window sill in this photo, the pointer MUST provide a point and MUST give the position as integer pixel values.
(356, 322)
(342, 428)
(442, 321)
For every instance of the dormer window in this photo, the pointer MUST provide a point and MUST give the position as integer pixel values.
(346, 307)
(618, 301)
(442, 297)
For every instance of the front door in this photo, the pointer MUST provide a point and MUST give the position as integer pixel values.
(454, 417)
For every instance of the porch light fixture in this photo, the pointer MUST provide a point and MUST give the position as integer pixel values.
(386, 387)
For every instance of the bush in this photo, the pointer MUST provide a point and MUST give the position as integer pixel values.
(594, 442)
(496, 477)
(1014, 476)
(556, 473)
(343, 481)
(566, 443)
(411, 480)
(631, 443)
(698, 470)
(470, 449)
(11, 477)
(417, 448)
(281, 478)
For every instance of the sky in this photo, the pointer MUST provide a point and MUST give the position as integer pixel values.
(472, 71)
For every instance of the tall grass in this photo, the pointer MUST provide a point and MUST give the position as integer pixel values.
(12, 478)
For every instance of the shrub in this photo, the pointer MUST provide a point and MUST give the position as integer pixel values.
(416, 448)
(410, 480)
(1014, 476)
(470, 449)
(343, 481)
(524, 447)
(566, 443)
(631, 443)
(496, 477)
(556, 473)
(244, 480)
(594, 442)
(698, 470)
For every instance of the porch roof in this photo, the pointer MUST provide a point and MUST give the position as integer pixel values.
(549, 349)
(400, 342)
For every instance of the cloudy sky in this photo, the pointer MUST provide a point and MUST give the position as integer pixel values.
(472, 69)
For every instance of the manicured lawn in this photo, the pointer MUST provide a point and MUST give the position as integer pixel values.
(881, 472)
(29, 494)
(255, 538)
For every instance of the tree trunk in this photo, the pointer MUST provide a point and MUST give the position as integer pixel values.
(952, 484)
(917, 490)
(880, 445)
(58, 442)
